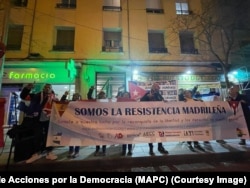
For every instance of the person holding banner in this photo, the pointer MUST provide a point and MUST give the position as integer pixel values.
(101, 95)
(154, 95)
(234, 95)
(39, 110)
(188, 96)
(124, 97)
(73, 150)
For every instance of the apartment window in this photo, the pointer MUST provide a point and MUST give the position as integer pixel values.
(154, 6)
(156, 42)
(21, 3)
(181, 7)
(112, 41)
(111, 5)
(66, 4)
(15, 35)
(187, 43)
(65, 37)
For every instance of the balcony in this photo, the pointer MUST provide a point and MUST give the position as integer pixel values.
(20, 3)
(63, 48)
(156, 11)
(111, 8)
(65, 5)
(112, 49)
(158, 50)
(190, 51)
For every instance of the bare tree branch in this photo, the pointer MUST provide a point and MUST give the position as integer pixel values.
(215, 29)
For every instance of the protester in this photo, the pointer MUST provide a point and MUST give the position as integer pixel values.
(90, 93)
(101, 95)
(25, 96)
(64, 96)
(188, 96)
(154, 95)
(123, 97)
(73, 150)
(181, 95)
(39, 110)
(234, 95)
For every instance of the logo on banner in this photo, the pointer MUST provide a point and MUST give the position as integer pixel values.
(57, 138)
(61, 107)
(234, 105)
(118, 135)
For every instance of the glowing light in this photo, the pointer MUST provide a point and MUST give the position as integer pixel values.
(135, 71)
(71, 68)
(135, 75)
(235, 72)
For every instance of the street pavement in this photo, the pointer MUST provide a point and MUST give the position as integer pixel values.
(229, 157)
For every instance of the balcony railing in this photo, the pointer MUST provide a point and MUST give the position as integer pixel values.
(63, 48)
(157, 11)
(111, 8)
(20, 3)
(65, 5)
(190, 51)
(112, 49)
(158, 50)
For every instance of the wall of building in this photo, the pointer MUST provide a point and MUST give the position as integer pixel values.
(89, 21)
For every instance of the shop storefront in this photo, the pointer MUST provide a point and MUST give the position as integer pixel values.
(61, 74)
(186, 81)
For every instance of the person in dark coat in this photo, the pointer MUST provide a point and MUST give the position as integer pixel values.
(234, 95)
(39, 110)
(154, 95)
(90, 92)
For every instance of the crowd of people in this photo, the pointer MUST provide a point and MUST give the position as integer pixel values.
(38, 111)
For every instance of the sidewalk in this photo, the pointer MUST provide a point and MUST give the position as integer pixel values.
(180, 158)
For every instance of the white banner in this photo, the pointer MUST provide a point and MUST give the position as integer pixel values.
(105, 123)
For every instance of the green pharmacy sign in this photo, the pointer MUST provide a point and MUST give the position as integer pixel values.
(42, 72)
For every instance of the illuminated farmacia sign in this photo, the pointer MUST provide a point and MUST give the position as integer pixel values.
(41, 75)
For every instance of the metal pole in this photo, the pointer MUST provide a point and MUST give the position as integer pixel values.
(129, 54)
(4, 37)
(32, 27)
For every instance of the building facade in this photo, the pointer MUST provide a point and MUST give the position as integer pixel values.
(79, 44)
